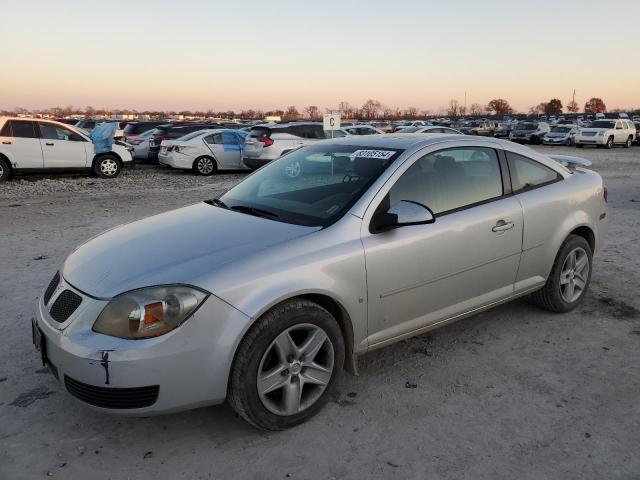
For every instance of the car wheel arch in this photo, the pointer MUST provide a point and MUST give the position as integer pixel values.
(8, 161)
(329, 303)
(587, 233)
(98, 156)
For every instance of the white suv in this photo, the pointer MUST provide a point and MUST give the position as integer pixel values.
(269, 142)
(28, 144)
(607, 133)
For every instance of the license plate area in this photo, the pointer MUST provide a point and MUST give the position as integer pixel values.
(39, 342)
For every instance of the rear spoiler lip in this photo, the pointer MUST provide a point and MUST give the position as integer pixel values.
(571, 162)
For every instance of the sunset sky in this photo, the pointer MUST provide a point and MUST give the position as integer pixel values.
(196, 55)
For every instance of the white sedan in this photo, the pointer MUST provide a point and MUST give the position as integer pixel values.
(205, 151)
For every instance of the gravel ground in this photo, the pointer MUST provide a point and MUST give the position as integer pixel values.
(515, 392)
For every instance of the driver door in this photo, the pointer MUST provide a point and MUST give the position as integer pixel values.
(62, 147)
(420, 275)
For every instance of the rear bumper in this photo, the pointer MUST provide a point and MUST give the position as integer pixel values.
(173, 160)
(255, 163)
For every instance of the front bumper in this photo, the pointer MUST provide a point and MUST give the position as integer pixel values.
(554, 140)
(595, 140)
(183, 369)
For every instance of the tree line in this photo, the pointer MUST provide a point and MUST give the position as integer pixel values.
(370, 110)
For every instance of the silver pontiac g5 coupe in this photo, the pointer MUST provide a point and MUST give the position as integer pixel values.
(263, 296)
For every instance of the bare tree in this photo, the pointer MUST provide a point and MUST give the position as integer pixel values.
(371, 108)
(312, 112)
(454, 108)
(572, 107)
(291, 113)
(477, 109)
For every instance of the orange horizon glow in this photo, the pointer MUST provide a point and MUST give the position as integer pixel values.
(202, 55)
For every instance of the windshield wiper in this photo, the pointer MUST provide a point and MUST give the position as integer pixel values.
(216, 202)
(257, 212)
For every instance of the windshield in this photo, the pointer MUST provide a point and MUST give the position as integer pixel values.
(561, 129)
(602, 124)
(409, 129)
(312, 186)
(527, 126)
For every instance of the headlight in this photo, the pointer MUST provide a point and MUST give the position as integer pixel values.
(148, 312)
(601, 133)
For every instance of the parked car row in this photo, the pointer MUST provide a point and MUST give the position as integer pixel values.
(205, 148)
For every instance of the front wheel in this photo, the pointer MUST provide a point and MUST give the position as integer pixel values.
(204, 166)
(286, 366)
(107, 166)
(609, 143)
(569, 277)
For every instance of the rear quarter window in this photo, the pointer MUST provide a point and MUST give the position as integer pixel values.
(527, 174)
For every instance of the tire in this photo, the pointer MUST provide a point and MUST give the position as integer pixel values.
(562, 293)
(204, 166)
(579, 145)
(107, 166)
(534, 140)
(628, 143)
(296, 321)
(5, 170)
(567, 142)
(609, 144)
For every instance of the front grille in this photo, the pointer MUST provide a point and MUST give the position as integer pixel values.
(66, 303)
(117, 398)
(51, 288)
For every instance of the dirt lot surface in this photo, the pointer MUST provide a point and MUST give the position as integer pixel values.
(513, 393)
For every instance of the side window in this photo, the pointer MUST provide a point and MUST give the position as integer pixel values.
(450, 179)
(49, 131)
(618, 125)
(216, 138)
(229, 138)
(6, 130)
(333, 134)
(23, 129)
(527, 173)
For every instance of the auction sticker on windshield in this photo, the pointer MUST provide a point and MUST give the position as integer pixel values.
(380, 154)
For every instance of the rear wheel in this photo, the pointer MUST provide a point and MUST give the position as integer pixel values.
(569, 278)
(286, 366)
(107, 166)
(5, 170)
(204, 166)
(629, 142)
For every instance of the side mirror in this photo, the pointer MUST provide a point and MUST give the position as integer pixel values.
(402, 214)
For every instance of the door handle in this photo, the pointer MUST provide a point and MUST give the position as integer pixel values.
(6, 143)
(49, 144)
(502, 226)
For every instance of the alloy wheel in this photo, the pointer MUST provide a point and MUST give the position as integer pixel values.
(205, 166)
(574, 275)
(109, 167)
(295, 369)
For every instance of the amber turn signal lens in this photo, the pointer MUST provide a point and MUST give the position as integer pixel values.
(153, 313)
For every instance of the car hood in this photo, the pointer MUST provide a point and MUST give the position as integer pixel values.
(180, 246)
(556, 135)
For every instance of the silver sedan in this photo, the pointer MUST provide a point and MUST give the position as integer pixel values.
(263, 296)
